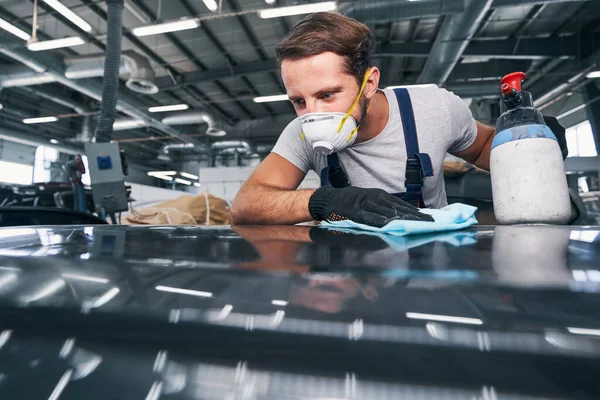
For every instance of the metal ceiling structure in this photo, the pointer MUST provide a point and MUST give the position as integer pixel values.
(219, 67)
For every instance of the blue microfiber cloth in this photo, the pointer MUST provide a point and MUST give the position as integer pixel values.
(450, 218)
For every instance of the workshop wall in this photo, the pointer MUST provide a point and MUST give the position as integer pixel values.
(17, 152)
(226, 182)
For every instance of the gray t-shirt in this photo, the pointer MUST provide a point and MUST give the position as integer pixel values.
(444, 124)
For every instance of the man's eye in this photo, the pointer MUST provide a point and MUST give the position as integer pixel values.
(327, 96)
(298, 103)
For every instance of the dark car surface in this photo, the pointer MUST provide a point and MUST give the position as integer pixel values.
(298, 312)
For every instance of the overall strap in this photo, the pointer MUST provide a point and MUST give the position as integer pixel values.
(418, 165)
(333, 174)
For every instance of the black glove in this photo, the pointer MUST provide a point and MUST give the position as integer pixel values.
(374, 207)
(559, 132)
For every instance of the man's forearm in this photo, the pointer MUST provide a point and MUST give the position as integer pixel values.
(261, 204)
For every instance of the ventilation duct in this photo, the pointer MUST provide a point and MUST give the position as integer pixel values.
(44, 63)
(196, 117)
(135, 68)
(232, 146)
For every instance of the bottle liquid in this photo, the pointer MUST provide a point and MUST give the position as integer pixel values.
(529, 184)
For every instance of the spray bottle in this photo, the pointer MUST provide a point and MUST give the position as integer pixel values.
(529, 184)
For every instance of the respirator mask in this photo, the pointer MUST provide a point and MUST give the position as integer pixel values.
(331, 132)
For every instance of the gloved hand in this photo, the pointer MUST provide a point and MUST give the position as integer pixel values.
(559, 132)
(374, 207)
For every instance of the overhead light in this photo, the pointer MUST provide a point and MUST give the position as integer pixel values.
(183, 181)
(174, 107)
(267, 99)
(85, 278)
(444, 318)
(425, 85)
(128, 124)
(297, 10)
(68, 14)
(190, 176)
(10, 28)
(279, 302)
(56, 44)
(197, 184)
(54, 141)
(183, 291)
(270, 2)
(162, 173)
(166, 27)
(39, 120)
(593, 75)
(164, 178)
(211, 5)
(1, 106)
(584, 331)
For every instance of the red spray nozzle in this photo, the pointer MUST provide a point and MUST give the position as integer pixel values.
(512, 81)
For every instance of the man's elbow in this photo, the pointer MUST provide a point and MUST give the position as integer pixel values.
(237, 211)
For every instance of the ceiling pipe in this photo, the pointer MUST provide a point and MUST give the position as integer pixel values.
(135, 68)
(452, 40)
(45, 63)
(56, 98)
(397, 10)
(239, 146)
(196, 117)
(29, 139)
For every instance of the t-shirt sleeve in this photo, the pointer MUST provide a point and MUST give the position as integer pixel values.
(463, 127)
(291, 147)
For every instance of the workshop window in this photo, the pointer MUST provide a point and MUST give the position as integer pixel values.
(20, 174)
(44, 157)
(580, 140)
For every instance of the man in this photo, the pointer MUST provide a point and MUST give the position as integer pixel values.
(379, 152)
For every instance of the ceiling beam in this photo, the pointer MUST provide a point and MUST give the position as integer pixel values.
(509, 49)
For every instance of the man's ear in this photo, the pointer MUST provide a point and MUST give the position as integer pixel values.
(372, 83)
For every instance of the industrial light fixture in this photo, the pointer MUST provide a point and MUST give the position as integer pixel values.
(211, 5)
(174, 107)
(163, 177)
(593, 74)
(1, 106)
(128, 124)
(40, 120)
(10, 28)
(174, 26)
(158, 174)
(297, 10)
(270, 2)
(54, 141)
(183, 181)
(282, 303)
(56, 43)
(584, 331)
(197, 184)
(68, 14)
(189, 176)
(268, 99)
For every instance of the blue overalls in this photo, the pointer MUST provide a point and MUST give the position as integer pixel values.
(418, 165)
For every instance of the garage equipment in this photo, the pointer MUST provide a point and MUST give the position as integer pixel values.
(106, 176)
(529, 183)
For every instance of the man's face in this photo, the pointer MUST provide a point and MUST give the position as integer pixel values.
(321, 84)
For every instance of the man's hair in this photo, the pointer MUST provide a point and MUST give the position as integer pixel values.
(329, 32)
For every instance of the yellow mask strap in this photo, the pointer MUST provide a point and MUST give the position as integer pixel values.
(362, 88)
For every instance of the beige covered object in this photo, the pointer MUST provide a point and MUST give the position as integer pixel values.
(204, 209)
